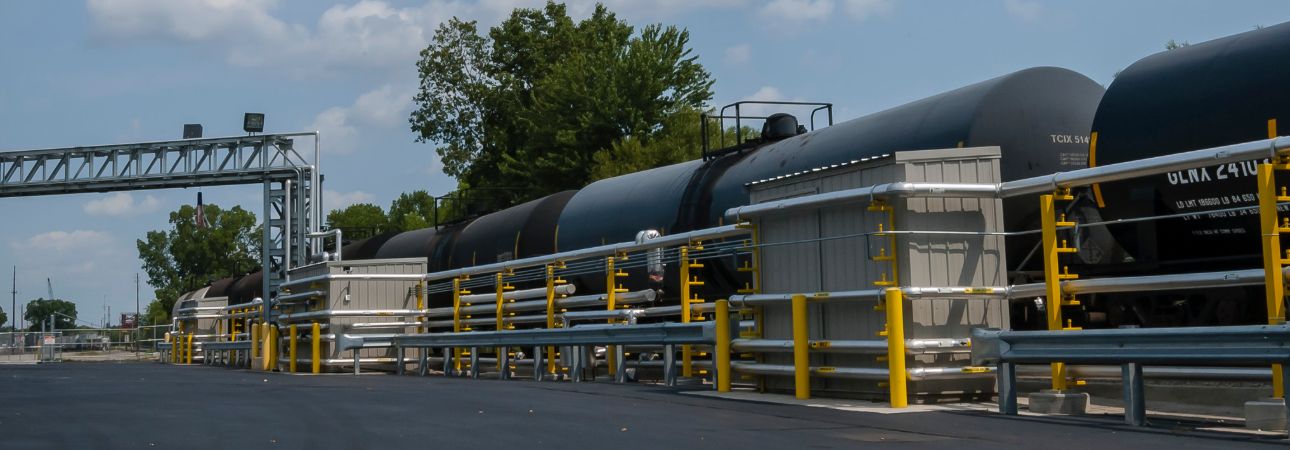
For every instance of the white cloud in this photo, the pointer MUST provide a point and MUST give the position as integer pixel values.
(864, 9)
(121, 204)
(333, 200)
(365, 34)
(797, 10)
(788, 12)
(739, 54)
(64, 241)
(383, 107)
(1024, 10)
(769, 94)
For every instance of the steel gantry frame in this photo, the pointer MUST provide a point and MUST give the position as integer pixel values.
(292, 194)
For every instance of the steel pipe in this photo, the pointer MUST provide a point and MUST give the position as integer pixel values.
(1265, 148)
(874, 346)
(598, 251)
(863, 373)
(1262, 374)
(291, 298)
(524, 294)
(862, 194)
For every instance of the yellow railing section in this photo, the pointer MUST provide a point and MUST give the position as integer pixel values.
(1054, 272)
(1272, 227)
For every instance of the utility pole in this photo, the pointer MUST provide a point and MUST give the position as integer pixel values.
(13, 308)
(137, 317)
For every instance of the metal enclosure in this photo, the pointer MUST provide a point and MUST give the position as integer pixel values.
(371, 296)
(831, 250)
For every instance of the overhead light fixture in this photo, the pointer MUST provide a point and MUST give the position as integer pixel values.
(192, 131)
(253, 122)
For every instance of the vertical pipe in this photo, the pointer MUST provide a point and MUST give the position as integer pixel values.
(801, 357)
(291, 349)
(896, 375)
(723, 345)
(687, 351)
(315, 342)
(1275, 282)
(1048, 219)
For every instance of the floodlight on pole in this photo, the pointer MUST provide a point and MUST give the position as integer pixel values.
(253, 122)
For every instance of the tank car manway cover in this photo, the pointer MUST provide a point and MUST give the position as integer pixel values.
(821, 168)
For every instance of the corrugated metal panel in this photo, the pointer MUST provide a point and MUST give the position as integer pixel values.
(841, 261)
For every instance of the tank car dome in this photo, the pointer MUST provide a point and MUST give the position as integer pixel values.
(523, 230)
(779, 126)
(1214, 93)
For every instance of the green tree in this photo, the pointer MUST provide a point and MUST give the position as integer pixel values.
(358, 220)
(4, 318)
(528, 106)
(412, 210)
(39, 310)
(187, 257)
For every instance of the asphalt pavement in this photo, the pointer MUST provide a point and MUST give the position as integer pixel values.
(148, 405)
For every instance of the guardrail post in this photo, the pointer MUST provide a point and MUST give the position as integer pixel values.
(896, 375)
(669, 365)
(723, 345)
(1135, 402)
(1274, 280)
(315, 341)
(291, 349)
(1007, 379)
(801, 348)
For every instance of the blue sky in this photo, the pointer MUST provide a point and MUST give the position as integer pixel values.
(111, 71)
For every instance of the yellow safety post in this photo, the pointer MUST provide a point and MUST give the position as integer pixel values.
(723, 345)
(291, 349)
(801, 347)
(190, 348)
(502, 287)
(1272, 227)
(457, 327)
(255, 340)
(896, 376)
(315, 341)
(612, 289)
(271, 347)
(1053, 276)
(551, 282)
(421, 305)
(687, 351)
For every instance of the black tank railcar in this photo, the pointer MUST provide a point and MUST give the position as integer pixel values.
(1205, 95)
(1039, 117)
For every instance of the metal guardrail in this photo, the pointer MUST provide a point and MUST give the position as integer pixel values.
(1130, 348)
(664, 334)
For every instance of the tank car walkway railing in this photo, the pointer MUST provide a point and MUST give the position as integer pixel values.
(1131, 348)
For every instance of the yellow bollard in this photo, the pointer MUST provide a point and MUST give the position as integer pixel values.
(896, 377)
(801, 348)
(271, 347)
(315, 341)
(255, 340)
(190, 349)
(723, 345)
(291, 350)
